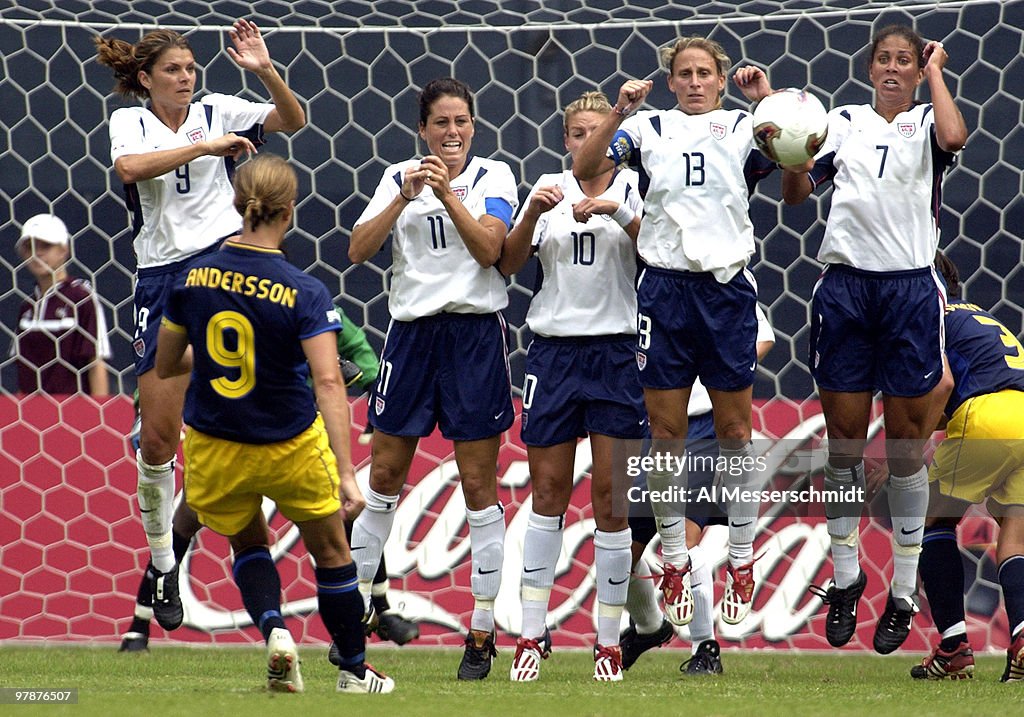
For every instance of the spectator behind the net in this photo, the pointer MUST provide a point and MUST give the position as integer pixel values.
(60, 341)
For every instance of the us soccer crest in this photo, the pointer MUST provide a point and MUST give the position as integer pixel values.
(907, 129)
(718, 130)
(197, 135)
(641, 360)
(378, 406)
(460, 193)
(140, 347)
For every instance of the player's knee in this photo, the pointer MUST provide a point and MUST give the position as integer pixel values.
(386, 478)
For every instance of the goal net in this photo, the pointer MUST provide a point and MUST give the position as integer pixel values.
(71, 545)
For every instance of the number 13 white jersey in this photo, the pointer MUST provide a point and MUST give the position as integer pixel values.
(432, 270)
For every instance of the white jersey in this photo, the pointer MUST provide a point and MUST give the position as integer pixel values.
(432, 270)
(696, 214)
(188, 209)
(700, 401)
(589, 270)
(887, 178)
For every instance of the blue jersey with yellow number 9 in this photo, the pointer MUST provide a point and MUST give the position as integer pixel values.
(246, 311)
(983, 355)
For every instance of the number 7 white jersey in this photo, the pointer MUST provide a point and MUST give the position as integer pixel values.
(887, 178)
(589, 270)
(432, 270)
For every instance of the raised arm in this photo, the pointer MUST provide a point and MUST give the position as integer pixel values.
(250, 53)
(950, 128)
(592, 160)
(519, 242)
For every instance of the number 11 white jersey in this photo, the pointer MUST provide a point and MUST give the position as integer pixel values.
(432, 270)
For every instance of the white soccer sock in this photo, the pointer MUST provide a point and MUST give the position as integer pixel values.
(487, 546)
(669, 518)
(369, 534)
(703, 586)
(742, 514)
(843, 527)
(611, 559)
(908, 503)
(642, 601)
(156, 505)
(846, 559)
(541, 547)
(959, 628)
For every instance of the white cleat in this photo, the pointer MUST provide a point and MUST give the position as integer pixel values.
(282, 663)
(373, 683)
(608, 663)
(529, 653)
(675, 586)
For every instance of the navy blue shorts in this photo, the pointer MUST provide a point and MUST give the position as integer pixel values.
(447, 370)
(877, 331)
(700, 441)
(152, 289)
(690, 325)
(580, 385)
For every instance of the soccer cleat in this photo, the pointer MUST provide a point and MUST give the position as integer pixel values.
(371, 620)
(957, 664)
(282, 662)
(894, 626)
(842, 603)
(394, 627)
(476, 660)
(707, 660)
(739, 593)
(675, 586)
(529, 653)
(373, 682)
(635, 643)
(1014, 661)
(134, 642)
(166, 601)
(608, 663)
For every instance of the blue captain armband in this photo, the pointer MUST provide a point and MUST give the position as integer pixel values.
(621, 148)
(499, 208)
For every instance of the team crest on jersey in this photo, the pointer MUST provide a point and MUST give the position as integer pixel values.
(526, 417)
(378, 406)
(718, 130)
(140, 347)
(197, 135)
(460, 193)
(641, 360)
(907, 129)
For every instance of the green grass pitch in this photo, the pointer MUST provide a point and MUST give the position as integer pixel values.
(225, 682)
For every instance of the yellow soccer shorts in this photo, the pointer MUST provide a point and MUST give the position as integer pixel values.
(226, 480)
(982, 455)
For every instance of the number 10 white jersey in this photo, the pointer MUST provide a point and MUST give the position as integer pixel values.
(589, 270)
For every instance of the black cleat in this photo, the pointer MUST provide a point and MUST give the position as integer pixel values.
(476, 661)
(706, 661)
(842, 603)
(166, 601)
(370, 620)
(634, 643)
(394, 627)
(134, 642)
(894, 626)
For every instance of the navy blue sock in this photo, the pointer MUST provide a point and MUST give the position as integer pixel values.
(260, 585)
(942, 576)
(341, 609)
(1011, 580)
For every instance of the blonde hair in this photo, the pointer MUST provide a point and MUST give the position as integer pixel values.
(717, 52)
(587, 102)
(264, 188)
(126, 59)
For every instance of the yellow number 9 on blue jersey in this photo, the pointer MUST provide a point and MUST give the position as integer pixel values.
(242, 357)
(1014, 360)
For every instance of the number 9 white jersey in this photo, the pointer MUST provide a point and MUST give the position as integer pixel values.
(432, 270)
(589, 270)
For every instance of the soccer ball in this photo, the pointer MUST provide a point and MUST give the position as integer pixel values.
(790, 126)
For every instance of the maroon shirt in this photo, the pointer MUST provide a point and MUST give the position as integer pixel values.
(59, 334)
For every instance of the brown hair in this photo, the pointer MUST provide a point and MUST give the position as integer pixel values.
(587, 102)
(945, 266)
(264, 188)
(717, 52)
(907, 33)
(127, 59)
(445, 86)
